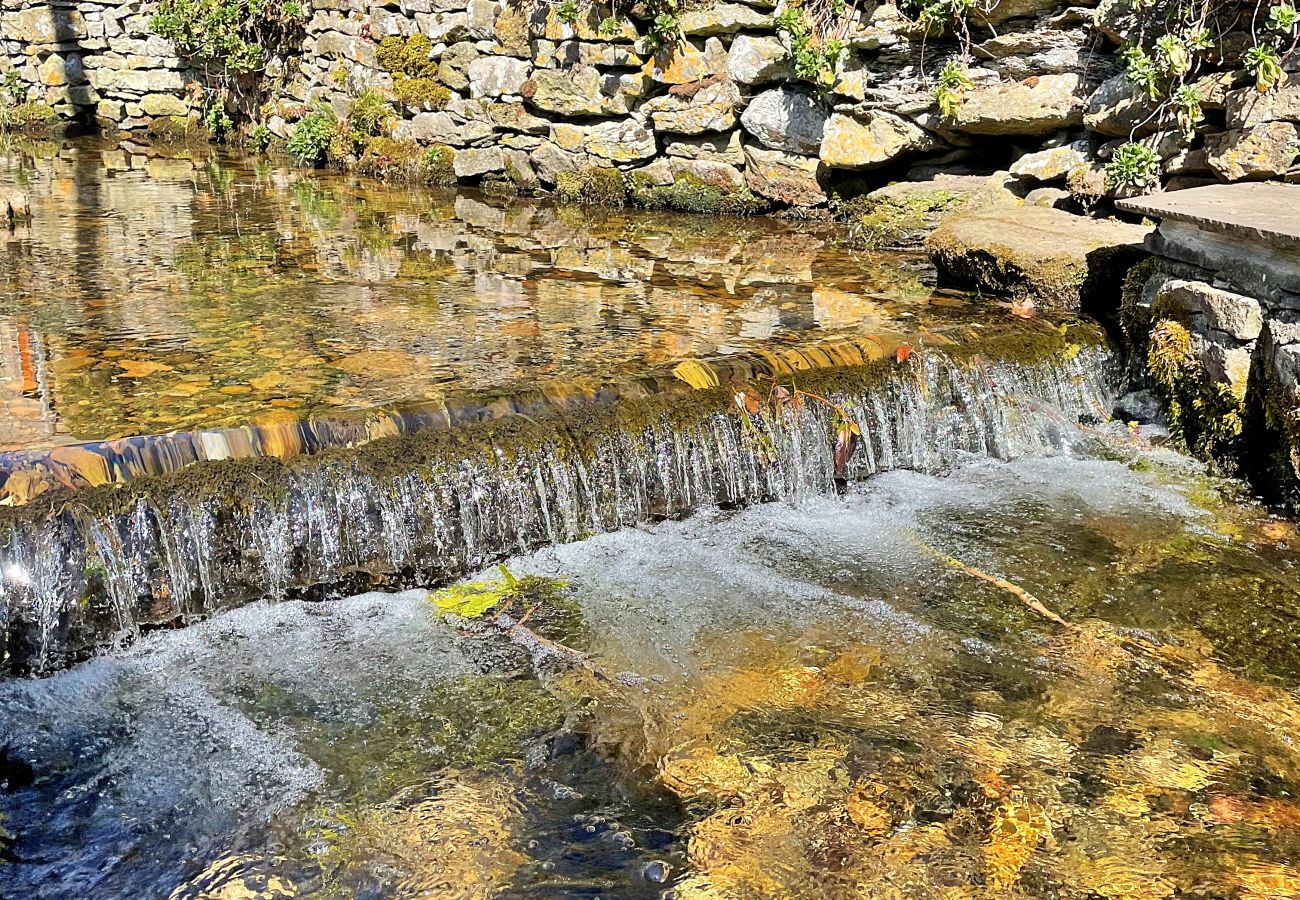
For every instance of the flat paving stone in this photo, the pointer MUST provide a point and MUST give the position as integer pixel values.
(1265, 211)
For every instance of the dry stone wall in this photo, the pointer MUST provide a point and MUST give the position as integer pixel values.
(522, 92)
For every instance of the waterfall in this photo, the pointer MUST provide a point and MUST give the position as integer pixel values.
(82, 570)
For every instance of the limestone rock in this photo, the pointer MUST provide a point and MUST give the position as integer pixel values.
(546, 23)
(851, 143)
(1262, 151)
(1118, 107)
(481, 16)
(448, 27)
(1053, 258)
(712, 108)
(478, 161)
(567, 54)
(163, 105)
(1235, 315)
(787, 119)
(58, 70)
(440, 128)
(15, 206)
(711, 148)
(550, 161)
(1035, 106)
(619, 142)
(492, 76)
(717, 174)
(757, 60)
(43, 24)
(1051, 197)
(1247, 107)
(687, 62)
(1005, 10)
(784, 177)
(582, 91)
(722, 18)
(453, 65)
(1051, 164)
(516, 117)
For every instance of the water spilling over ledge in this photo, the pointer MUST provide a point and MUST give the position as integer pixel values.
(87, 568)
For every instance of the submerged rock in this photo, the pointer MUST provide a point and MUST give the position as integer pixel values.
(1052, 258)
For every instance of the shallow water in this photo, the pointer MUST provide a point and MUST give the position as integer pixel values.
(810, 700)
(152, 294)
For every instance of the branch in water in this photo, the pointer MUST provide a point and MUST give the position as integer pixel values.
(1015, 590)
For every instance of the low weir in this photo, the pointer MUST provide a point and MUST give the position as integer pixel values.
(92, 567)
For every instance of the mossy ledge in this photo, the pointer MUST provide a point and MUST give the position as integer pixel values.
(93, 567)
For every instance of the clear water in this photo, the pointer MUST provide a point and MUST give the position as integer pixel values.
(802, 700)
(152, 294)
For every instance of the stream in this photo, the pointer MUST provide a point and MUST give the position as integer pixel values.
(740, 674)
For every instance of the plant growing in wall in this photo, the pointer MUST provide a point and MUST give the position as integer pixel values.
(815, 34)
(1133, 166)
(229, 42)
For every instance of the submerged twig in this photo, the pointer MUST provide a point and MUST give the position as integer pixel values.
(1015, 590)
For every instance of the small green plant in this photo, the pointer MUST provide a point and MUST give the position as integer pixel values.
(234, 36)
(1264, 64)
(1283, 18)
(609, 26)
(259, 138)
(312, 138)
(665, 29)
(1187, 101)
(567, 11)
(1142, 71)
(816, 55)
(950, 86)
(1133, 165)
(216, 120)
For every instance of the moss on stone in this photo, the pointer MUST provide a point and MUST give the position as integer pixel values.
(177, 130)
(1207, 415)
(593, 186)
(406, 161)
(878, 223)
(421, 93)
(31, 117)
(690, 194)
(411, 56)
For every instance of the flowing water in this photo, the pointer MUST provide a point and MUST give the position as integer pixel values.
(717, 663)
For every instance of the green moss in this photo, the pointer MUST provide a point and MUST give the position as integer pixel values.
(31, 117)
(420, 92)
(593, 186)
(884, 222)
(177, 130)
(1134, 318)
(407, 56)
(1207, 415)
(690, 194)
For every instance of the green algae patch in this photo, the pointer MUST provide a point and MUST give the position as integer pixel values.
(592, 186)
(688, 193)
(407, 161)
(879, 223)
(1207, 415)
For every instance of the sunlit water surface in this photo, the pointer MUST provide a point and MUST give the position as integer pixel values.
(787, 701)
(150, 294)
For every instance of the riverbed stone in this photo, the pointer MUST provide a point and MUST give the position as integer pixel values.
(1051, 258)
(850, 142)
(1251, 154)
(1036, 106)
(757, 59)
(493, 76)
(550, 161)
(785, 177)
(788, 119)
(711, 108)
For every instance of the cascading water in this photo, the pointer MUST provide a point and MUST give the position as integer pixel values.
(94, 569)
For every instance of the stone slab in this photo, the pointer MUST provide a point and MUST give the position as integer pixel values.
(1264, 211)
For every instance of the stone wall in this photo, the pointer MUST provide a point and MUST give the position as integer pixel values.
(520, 91)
